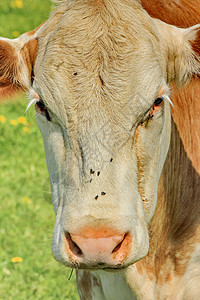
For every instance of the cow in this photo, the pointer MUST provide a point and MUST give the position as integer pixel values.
(123, 165)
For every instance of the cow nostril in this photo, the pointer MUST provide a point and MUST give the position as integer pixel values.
(72, 245)
(119, 245)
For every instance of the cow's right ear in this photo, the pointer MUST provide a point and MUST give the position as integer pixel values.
(181, 50)
(17, 60)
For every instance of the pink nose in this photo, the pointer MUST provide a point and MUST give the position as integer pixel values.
(98, 247)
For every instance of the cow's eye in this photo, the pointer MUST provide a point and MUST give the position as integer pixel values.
(42, 109)
(154, 111)
(157, 106)
(41, 105)
(158, 101)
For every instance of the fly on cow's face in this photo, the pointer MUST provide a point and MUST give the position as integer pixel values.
(147, 120)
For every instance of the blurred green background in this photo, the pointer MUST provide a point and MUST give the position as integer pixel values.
(27, 267)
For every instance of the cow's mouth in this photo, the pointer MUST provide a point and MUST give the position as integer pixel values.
(98, 266)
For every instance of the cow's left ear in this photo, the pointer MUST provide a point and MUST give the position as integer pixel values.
(17, 60)
(181, 49)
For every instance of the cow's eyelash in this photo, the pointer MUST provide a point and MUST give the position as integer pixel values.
(41, 106)
(31, 102)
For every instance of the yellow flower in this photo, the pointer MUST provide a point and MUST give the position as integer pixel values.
(19, 3)
(26, 130)
(26, 200)
(2, 119)
(16, 259)
(15, 34)
(13, 122)
(22, 120)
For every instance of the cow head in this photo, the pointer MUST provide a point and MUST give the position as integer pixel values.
(100, 87)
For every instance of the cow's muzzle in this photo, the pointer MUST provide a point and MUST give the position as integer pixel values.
(104, 248)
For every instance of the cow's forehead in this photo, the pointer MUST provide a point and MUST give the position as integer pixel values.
(99, 59)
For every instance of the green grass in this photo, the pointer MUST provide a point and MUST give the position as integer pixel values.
(26, 218)
(15, 20)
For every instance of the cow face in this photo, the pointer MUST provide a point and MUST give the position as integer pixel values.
(99, 79)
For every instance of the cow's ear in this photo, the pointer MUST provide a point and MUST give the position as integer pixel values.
(17, 60)
(181, 49)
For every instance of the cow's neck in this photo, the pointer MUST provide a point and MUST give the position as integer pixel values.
(179, 191)
(177, 213)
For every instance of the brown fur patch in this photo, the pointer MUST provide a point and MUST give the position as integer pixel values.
(181, 13)
(186, 113)
(8, 64)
